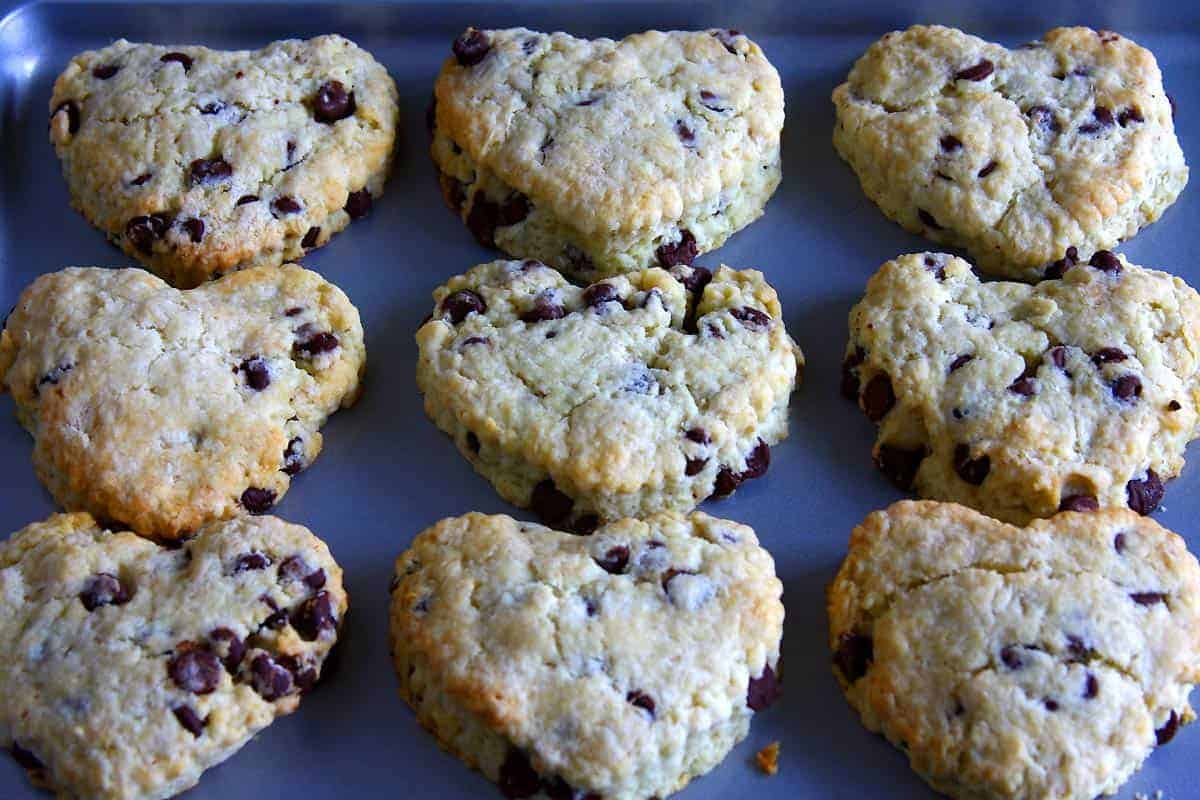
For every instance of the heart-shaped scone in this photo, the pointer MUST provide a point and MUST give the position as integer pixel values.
(1022, 400)
(1014, 155)
(130, 668)
(162, 409)
(642, 393)
(619, 665)
(1014, 663)
(198, 161)
(600, 157)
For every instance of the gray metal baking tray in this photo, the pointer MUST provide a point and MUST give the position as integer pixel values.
(386, 472)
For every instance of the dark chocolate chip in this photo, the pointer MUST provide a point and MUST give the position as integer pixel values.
(927, 219)
(1119, 543)
(105, 71)
(550, 504)
(696, 279)
(694, 466)
(1102, 119)
(515, 209)
(757, 462)
(899, 465)
(189, 719)
(1079, 651)
(228, 647)
(1091, 687)
(284, 205)
(140, 180)
(950, 143)
(764, 690)
(258, 373)
(209, 170)
(878, 397)
(251, 561)
(195, 670)
(600, 293)
(471, 46)
(545, 308)
(1127, 388)
(315, 616)
(270, 679)
(104, 589)
(215, 107)
(1174, 405)
(1050, 703)
(183, 58)
(518, 779)
(1148, 598)
(1011, 656)
(1167, 732)
(358, 204)
(698, 435)
(247, 198)
(585, 524)
(293, 456)
(1058, 357)
(462, 303)
(310, 237)
(685, 133)
(194, 229)
(258, 501)
(1109, 355)
(1025, 385)
(853, 655)
(316, 344)
(1129, 115)
(975, 73)
(751, 318)
(55, 375)
(472, 442)
(332, 102)
(641, 700)
(683, 251)
(728, 38)
(1059, 268)
(1079, 502)
(1044, 118)
(960, 361)
(142, 232)
(988, 169)
(972, 470)
(726, 482)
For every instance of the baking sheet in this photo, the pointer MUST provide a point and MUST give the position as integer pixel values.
(386, 472)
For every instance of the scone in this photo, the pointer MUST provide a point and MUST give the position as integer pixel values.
(1010, 663)
(1014, 155)
(620, 665)
(198, 161)
(641, 393)
(600, 157)
(161, 409)
(128, 668)
(1018, 400)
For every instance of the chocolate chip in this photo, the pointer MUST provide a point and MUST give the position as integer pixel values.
(140, 180)
(1173, 405)
(515, 209)
(311, 237)
(271, 680)
(726, 482)
(975, 73)
(258, 373)
(195, 670)
(1102, 119)
(1058, 357)
(482, 220)
(194, 229)
(1091, 687)
(928, 220)
(1127, 388)
(189, 719)
(600, 293)
(316, 344)
(751, 318)
(212, 108)
(461, 304)
(685, 133)
(694, 466)
(229, 647)
(55, 375)
(683, 251)
(899, 465)
(950, 143)
(251, 561)
(854, 655)
(878, 398)
(184, 59)
(142, 232)
(1011, 657)
(517, 776)
(850, 384)
(293, 456)
(615, 560)
(757, 462)
(972, 470)
(332, 102)
(1119, 543)
(315, 616)
(641, 700)
(1148, 598)
(1167, 732)
(1129, 115)
(247, 198)
(1025, 385)
(764, 690)
(988, 169)
(258, 501)
(105, 71)
(1044, 118)
(545, 308)
(1109, 355)
(284, 205)
(471, 340)
(25, 759)
(960, 361)
(1060, 267)
(1079, 651)
(358, 204)
(1050, 704)
(209, 170)
(550, 504)
(728, 38)
(472, 442)
(104, 589)
(698, 435)
(1079, 502)
(471, 46)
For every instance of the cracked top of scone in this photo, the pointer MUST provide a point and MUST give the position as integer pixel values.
(161, 409)
(1022, 400)
(130, 668)
(1014, 663)
(538, 656)
(623, 144)
(641, 393)
(1014, 155)
(198, 161)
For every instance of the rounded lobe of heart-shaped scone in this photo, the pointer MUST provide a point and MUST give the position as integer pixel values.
(536, 656)
(1072, 394)
(1014, 155)
(198, 161)
(129, 668)
(601, 157)
(645, 392)
(162, 409)
(1047, 661)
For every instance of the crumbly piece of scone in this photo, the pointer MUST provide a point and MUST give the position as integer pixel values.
(1014, 155)
(1022, 400)
(198, 161)
(627, 397)
(537, 657)
(601, 157)
(129, 668)
(1043, 662)
(162, 409)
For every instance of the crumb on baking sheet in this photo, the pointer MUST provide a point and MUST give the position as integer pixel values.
(1158, 795)
(768, 758)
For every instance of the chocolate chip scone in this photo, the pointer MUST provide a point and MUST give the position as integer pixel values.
(1014, 155)
(601, 157)
(162, 409)
(198, 161)
(1047, 661)
(537, 656)
(637, 394)
(1020, 400)
(128, 668)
